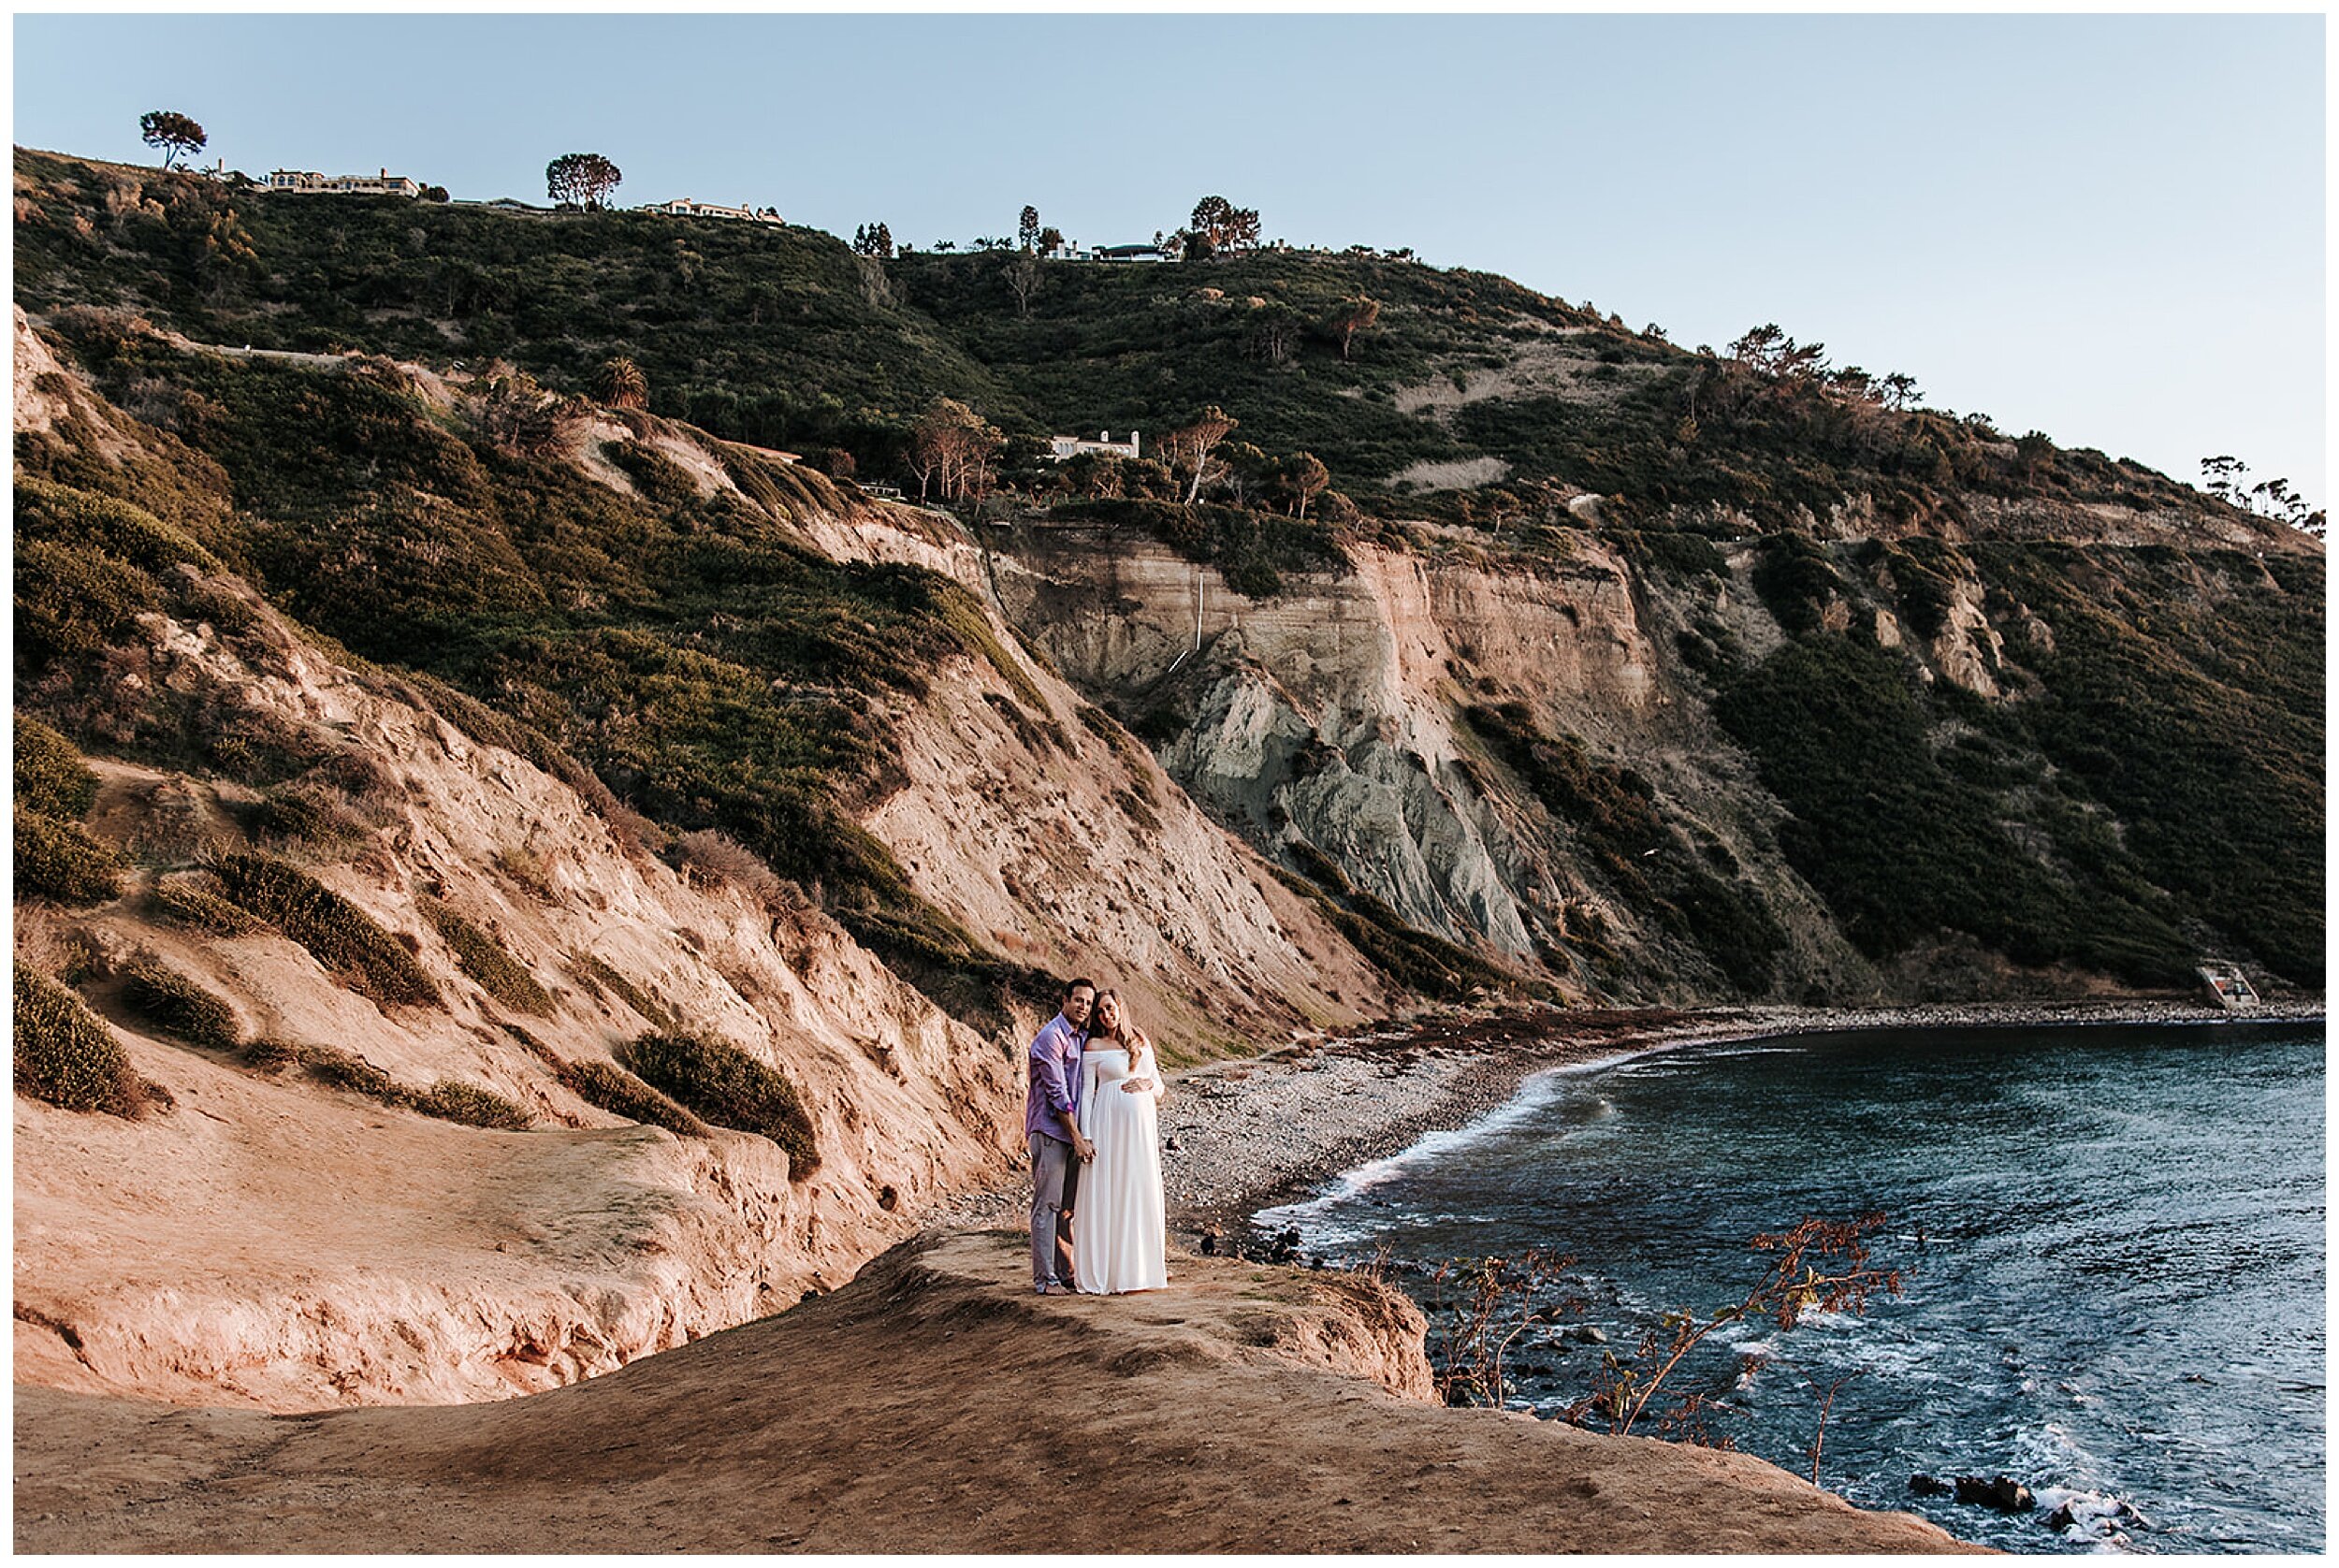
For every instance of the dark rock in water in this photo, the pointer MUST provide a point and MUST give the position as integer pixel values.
(2000, 1493)
(2061, 1519)
(1929, 1485)
(1586, 1333)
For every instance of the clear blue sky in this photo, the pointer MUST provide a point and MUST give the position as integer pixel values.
(2107, 228)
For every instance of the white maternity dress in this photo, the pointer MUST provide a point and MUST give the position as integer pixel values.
(1118, 1239)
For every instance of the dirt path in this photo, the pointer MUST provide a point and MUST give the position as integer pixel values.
(936, 1406)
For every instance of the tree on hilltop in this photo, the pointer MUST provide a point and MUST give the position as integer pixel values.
(172, 133)
(1051, 241)
(2273, 499)
(1028, 229)
(583, 179)
(873, 240)
(1223, 225)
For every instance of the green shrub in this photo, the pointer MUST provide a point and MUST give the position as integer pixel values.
(62, 861)
(451, 1101)
(81, 521)
(184, 898)
(176, 1002)
(51, 776)
(730, 1088)
(342, 937)
(621, 1094)
(66, 1054)
(498, 973)
(70, 604)
(661, 481)
(1794, 579)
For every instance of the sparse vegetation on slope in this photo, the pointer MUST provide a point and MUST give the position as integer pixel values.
(484, 960)
(178, 1005)
(342, 937)
(66, 1054)
(730, 1088)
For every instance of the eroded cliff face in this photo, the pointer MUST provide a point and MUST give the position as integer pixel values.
(279, 1238)
(1354, 717)
(1331, 716)
(276, 1240)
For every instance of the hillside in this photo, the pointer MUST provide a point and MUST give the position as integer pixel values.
(1781, 549)
(387, 983)
(1468, 396)
(567, 812)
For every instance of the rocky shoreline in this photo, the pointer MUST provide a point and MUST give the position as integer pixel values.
(1247, 1134)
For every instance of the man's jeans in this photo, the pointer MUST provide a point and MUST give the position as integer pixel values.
(1056, 1178)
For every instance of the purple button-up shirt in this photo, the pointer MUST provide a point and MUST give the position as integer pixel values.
(1055, 1078)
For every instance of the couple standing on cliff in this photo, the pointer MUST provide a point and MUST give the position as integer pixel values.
(1090, 1123)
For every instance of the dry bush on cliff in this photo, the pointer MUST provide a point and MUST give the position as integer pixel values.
(177, 1004)
(451, 1101)
(190, 899)
(730, 1088)
(66, 1054)
(710, 855)
(621, 1094)
(498, 973)
(342, 937)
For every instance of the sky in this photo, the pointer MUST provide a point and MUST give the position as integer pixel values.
(2108, 227)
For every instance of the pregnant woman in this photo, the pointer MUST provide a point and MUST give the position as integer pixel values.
(1120, 1241)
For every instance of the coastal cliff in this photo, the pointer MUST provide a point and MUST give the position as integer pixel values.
(518, 875)
(1686, 776)
(334, 1236)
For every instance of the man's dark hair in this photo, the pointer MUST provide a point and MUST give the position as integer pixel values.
(1071, 986)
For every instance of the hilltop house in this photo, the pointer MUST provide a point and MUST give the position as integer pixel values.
(307, 181)
(1063, 447)
(685, 207)
(1072, 251)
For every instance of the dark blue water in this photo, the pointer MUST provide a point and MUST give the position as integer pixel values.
(2113, 1239)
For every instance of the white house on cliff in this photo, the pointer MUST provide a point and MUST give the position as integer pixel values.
(1063, 447)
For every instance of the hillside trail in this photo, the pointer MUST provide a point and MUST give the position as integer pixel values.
(936, 1404)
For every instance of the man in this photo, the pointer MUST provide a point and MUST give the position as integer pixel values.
(1051, 1130)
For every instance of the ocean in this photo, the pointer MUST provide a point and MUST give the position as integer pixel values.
(2113, 1240)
